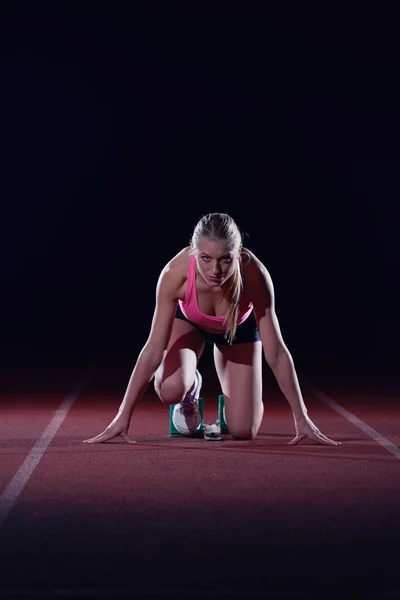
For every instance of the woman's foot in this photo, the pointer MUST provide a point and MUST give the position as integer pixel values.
(186, 415)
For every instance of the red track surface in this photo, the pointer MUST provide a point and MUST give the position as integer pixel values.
(188, 518)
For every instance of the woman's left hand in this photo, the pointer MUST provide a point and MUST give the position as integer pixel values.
(306, 428)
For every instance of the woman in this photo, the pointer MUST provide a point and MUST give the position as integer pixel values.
(219, 292)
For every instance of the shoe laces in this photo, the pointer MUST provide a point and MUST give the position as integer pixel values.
(188, 404)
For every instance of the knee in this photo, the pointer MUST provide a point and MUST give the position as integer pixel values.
(243, 433)
(171, 394)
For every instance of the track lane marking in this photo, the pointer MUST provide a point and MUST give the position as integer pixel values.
(372, 433)
(11, 493)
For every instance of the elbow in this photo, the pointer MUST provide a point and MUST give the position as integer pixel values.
(282, 354)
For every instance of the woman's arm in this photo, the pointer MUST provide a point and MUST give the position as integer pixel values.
(150, 357)
(277, 354)
(153, 352)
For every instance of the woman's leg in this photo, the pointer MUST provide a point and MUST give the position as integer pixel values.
(176, 375)
(239, 369)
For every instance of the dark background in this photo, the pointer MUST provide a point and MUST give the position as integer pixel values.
(121, 127)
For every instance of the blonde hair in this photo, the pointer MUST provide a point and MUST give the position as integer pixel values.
(220, 227)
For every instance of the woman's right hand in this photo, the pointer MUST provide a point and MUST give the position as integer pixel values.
(119, 426)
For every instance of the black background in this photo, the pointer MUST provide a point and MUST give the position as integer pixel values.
(121, 127)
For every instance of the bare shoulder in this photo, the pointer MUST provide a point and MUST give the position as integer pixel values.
(178, 265)
(174, 274)
(252, 265)
(256, 276)
(181, 259)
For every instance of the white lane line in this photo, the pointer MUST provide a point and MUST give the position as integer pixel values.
(375, 435)
(10, 495)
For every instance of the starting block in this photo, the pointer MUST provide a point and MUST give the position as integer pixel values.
(220, 421)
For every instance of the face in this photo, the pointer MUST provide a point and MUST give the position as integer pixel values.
(216, 261)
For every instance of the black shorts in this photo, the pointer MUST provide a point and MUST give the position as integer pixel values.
(246, 332)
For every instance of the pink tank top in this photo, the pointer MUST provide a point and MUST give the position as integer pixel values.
(190, 307)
